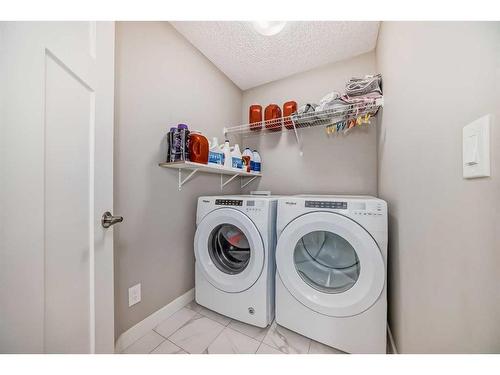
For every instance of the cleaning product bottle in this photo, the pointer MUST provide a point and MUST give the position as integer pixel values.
(247, 157)
(215, 156)
(198, 148)
(257, 162)
(227, 155)
(182, 143)
(171, 145)
(237, 162)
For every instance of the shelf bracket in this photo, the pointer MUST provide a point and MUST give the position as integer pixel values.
(301, 153)
(246, 183)
(224, 183)
(181, 181)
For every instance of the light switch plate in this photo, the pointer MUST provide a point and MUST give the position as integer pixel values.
(134, 295)
(476, 148)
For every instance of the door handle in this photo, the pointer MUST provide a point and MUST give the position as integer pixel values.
(109, 220)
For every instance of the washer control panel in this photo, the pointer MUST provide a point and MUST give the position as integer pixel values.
(228, 202)
(327, 204)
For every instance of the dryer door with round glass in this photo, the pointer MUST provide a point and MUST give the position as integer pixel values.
(330, 264)
(229, 250)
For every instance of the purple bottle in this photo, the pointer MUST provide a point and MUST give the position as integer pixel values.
(182, 143)
(171, 145)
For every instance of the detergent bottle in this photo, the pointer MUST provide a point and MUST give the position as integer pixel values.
(247, 157)
(257, 162)
(226, 150)
(237, 162)
(215, 155)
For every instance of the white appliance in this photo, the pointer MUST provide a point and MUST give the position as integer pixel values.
(234, 249)
(331, 261)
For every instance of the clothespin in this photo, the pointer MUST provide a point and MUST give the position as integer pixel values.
(367, 118)
(359, 121)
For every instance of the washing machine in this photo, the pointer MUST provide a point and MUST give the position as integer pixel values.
(331, 259)
(234, 249)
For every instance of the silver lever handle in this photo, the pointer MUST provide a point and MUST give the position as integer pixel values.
(109, 220)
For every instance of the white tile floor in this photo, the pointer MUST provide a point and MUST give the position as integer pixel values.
(197, 330)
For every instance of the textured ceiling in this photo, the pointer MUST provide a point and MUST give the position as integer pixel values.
(250, 59)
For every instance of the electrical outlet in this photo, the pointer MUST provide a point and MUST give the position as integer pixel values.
(134, 295)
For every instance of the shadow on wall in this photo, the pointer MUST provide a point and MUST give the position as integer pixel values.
(324, 158)
(393, 271)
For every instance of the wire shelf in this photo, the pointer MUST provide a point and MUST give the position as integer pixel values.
(331, 116)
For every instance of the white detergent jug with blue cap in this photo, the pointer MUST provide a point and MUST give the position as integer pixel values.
(226, 150)
(215, 155)
(237, 162)
(256, 163)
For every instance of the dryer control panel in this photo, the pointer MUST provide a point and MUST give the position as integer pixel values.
(327, 204)
(228, 202)
(355, 208)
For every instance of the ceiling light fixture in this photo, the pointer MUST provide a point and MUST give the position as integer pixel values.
(268, 28)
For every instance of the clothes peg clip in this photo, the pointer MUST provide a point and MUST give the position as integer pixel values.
(359, 121)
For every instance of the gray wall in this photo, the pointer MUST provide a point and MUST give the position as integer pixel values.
(335, 164)
(161, 80)
(444, 237)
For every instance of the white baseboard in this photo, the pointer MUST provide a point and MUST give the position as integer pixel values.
(392, 344)
(144, 326)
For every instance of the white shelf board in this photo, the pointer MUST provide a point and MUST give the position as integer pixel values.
(208, 168)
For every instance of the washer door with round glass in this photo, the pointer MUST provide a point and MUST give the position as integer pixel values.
(330, 264)
(229, 250)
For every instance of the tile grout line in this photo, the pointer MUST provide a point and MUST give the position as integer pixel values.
(184, 325)
(243, 333)
(177, 346)
(260, 344)
(197, 313)
(128, 346)
(157, 345)
(211, 342)
(230, 320)
(166, 337)
(155, 331)
(227, 326)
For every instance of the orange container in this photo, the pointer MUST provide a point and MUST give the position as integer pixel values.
(255, 117)
(289, 108)
(198, 148)
(272, 117)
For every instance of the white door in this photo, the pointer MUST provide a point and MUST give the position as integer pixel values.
(56, 154)
(229, 250)
(330, 264)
